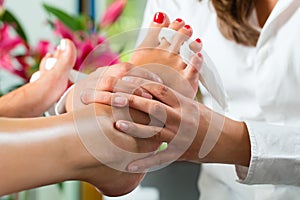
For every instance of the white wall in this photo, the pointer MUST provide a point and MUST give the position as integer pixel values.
(33, 17)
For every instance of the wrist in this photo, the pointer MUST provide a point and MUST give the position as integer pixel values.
(219, 140)
(229, 140)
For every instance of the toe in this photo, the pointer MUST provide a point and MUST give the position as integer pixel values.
(43, 64)
(160, 20)
(65, 55)
(182, 35)
(60, 62)
(175, 25)
(191, 72)
(196, 46)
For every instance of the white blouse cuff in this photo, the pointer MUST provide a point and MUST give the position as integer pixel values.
(245, 174)
(60, 107)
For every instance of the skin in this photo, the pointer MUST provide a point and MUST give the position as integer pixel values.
(232, 146)
(150, 51)
(30, 100)
(65, 156)
(264, 9)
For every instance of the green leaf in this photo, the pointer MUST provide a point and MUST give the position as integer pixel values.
(60, 186)
(71, 22)
(9, 18)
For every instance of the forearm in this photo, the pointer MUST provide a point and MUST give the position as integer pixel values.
(220, 140)
(36, 152)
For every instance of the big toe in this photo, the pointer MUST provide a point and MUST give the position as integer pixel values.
(160, 20)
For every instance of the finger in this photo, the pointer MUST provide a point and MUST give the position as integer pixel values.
(159, 159)
(145, 74)
(89, 96)
(145, 131)
(113, 84)
(160, 91)
(155, 109)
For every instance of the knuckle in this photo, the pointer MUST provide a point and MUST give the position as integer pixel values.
(158, 110)
(85, 97)
(162, 90)
(105, 98)
(131, 99)
(125, 67)
(107, 83)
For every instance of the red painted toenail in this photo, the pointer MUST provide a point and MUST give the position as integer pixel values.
(198, 40)
(159, 17)
(179, 20)
(187, 27)
(199, 55)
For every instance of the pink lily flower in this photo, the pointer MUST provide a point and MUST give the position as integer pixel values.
(42, 48)
(1, 3)
(61, 30)
(113, 12)
(88, 59)
(7, 45)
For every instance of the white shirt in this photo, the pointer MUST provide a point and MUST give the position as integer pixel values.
(263, 86)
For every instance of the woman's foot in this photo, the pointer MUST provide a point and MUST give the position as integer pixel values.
(163, 58)
(46, 87)
(54, 71)
(173, 71)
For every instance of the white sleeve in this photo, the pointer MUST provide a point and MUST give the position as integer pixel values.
(60, 107)
(275, 155)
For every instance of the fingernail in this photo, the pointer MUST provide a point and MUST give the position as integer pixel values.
(159, 17)
(199, 55)
(133, 168)
(50, 62)
(119, 101)
(123, 126)
(146, 95)
(187, 27)
(127, 78)
(157, 79)
(179, 20)
(198, 40)
(62, 45)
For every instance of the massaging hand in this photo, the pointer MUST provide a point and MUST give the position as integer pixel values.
(192, 131)
(179, 114)
(109, 79)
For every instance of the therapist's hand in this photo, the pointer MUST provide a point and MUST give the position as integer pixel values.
(193, 132)
(108, 79)
(180, 116)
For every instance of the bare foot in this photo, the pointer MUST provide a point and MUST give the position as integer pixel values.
(47, 85)
(54, 71)
(163, 57)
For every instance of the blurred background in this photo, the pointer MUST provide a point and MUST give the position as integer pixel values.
(37, 19)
